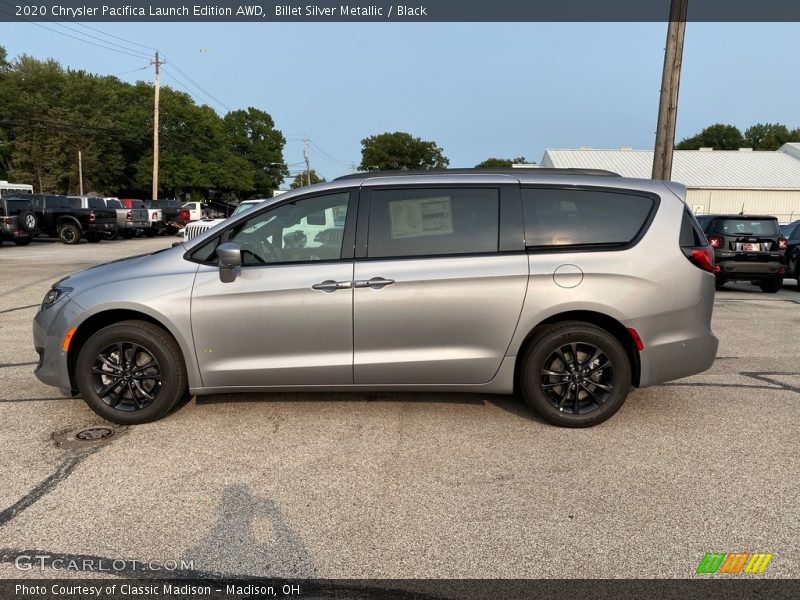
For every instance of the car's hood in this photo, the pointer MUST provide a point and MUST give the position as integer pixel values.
(160, 262)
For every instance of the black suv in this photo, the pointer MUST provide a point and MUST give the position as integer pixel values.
(747, 247)
(17, 221)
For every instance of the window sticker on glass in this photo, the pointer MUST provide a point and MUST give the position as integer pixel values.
(420, 217)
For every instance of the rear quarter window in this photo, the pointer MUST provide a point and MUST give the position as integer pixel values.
(566, 218)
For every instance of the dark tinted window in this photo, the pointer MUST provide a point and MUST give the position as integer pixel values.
(745, 226)
(425, 222)
(113, 204)
(14, 207)
(562, 217)
(691, 233)
(71, 202)
(97, 203)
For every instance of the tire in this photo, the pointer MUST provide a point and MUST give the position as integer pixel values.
(126, 403)
(23, 241)
(126, 234)
(70, 234)
(149, 232)
(719, 283)
(111, 236)
(26, 221)
(771, 286)
(93, 237)
(551, 352)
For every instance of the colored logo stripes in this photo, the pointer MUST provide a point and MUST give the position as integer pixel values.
(736, 562)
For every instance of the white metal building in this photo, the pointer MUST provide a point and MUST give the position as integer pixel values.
(719, 181)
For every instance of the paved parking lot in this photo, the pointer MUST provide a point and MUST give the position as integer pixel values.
(402, 485)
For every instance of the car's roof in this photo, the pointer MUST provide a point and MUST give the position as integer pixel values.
(738, 217)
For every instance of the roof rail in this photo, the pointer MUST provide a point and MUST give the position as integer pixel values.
(479, 171)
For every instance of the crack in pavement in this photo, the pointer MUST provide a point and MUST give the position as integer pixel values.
(45, 486)
(25, 364)
(760, 376)
(8, 310)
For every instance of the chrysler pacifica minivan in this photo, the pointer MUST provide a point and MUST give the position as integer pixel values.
(567, 287)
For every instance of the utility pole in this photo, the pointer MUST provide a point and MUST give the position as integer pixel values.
(157, 64)
(80, 173)
(305, 156)
(670, 82)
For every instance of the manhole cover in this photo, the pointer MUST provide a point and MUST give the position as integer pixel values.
(94, 433)
(87, 436)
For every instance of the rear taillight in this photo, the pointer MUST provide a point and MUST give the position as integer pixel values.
(8, 220)
(701, 257)
(129, 216)
(184, 215)
(155, 215)
(781, 243)
(92, 217)
(715, 241)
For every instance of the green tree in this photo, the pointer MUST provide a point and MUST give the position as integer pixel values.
(718, 136)
(252, 136)
(399, 150)
(301, 179)
(767, 136)
(502, 162)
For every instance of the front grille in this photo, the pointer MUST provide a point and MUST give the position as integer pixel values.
(193, 230)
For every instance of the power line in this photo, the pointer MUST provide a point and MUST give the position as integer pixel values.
(137, 55)
(120, 38)
(197, 85)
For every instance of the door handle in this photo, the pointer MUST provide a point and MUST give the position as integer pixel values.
(375, 283)
(329, 285)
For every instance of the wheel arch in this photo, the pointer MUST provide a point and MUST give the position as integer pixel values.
(604, 321)
(64, 219)
(104, 318)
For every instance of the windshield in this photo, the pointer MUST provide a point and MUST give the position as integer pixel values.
(113, 204)
(243, 207)
(746, 227)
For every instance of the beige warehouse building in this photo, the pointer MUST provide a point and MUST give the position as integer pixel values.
(718, 181)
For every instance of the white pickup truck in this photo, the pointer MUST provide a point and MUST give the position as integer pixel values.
(196, 227)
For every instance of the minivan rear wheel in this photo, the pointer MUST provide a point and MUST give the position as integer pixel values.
(575, 374)
(131, 372)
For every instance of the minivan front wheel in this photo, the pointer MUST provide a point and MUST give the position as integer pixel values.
(575, 374)
(131, 372)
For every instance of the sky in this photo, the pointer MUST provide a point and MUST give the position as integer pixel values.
(476, 89)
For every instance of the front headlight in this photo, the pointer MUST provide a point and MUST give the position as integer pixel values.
(54, 295)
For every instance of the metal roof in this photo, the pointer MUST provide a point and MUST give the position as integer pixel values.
(735, 169)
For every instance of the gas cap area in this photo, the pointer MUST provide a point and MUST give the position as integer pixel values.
(568, 276)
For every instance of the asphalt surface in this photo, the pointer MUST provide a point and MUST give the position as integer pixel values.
(402, 485)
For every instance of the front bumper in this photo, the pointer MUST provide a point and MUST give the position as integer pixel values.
(49, 328)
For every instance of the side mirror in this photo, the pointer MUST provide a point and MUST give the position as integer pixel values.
(230, 261)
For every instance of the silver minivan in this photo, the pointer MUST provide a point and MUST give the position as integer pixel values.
(568, 287)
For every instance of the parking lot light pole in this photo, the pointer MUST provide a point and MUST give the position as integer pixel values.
(670, 82)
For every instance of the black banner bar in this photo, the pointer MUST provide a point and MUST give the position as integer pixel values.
(381, 11)
(701, 588)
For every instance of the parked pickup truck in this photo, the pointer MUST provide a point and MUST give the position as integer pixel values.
(170, 210)
(128, 221)
(137, 213)
(65, 218)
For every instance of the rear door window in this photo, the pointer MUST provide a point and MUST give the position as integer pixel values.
(737, 227)
(96, 203)
(433, 222)
(583, 218)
